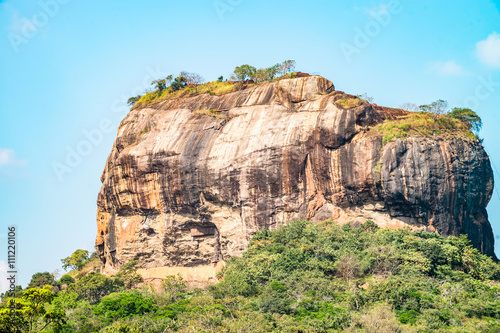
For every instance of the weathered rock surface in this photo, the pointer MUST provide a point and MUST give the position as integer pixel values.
(187, 189)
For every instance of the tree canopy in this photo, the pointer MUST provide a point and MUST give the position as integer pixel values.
(39, 280)
(302, 277)
(244, 72)
(76, 260)
(30, 313)
(247, 72)
(468, 117)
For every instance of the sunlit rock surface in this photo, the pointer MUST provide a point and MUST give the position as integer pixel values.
(184, 189)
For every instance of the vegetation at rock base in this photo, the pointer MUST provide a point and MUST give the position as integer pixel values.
(190, 84)
(76, 260)
(303, 277)
(32, 312)
(41, 279)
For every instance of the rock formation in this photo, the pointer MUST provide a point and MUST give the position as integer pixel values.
(184, 187)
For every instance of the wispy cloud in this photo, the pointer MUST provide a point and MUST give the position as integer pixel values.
(447, 68)
(8, 157)
(488, 50)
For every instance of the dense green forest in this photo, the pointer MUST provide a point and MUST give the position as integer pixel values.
(304, 277)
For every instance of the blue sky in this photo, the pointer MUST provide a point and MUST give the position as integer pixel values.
(67, 68)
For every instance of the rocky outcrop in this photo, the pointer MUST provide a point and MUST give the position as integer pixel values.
(188, 188)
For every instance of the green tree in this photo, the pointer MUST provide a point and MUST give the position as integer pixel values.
(31, 313)
(132, 100)
(66, 279)
(39, 280)
(467, 116)
(220, 78)
(128, 274)
(94, 286)
(173, 287)
(178, 83)
(244, 72)
(122, 305)
(77, 260)
(260, 75)
(275, 299)
(159, 84)
(272, 71)
(169, 79)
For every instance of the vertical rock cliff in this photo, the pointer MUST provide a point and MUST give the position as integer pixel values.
(183, 188)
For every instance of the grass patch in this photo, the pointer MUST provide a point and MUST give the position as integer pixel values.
(213, 88)
(423, 125)
(216, 88)
(348, 101)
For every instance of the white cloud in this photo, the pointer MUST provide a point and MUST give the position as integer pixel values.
(447, 68)
(8, 157)
(488, 50)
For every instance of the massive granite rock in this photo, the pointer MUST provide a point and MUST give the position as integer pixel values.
(186, 187)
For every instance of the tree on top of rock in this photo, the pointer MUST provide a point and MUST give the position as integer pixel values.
(272, 71)
(467, 116)
(287, 66)
(436, 108)
(159, 84)
(132, 100)
(178, 83)
(192, 78)
(244, 72)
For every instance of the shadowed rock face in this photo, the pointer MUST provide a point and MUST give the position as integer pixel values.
(185, 189)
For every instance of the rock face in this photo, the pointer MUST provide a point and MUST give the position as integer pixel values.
(182, 187)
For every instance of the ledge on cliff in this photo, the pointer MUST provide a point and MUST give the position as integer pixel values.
(189, 180)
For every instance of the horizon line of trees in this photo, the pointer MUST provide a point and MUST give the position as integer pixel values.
(248, 72)
(241, 73)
